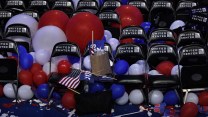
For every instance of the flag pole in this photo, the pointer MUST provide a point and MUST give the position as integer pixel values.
(74, 91)
(92, 49)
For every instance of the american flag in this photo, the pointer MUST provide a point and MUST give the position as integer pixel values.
(72, 80)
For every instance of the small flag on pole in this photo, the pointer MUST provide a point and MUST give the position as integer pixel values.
(91, 78)
(72, 80)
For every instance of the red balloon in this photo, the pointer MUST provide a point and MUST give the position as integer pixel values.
(170, 43)
(79, 29)
(35, 68)
(25, 77)
(203, 98)
(1, 91)
(68, 100)
(189, 110)
(64, 67)
(129, 16)
(165, 68)
(128, 40)
(54, 17)
(39, 78)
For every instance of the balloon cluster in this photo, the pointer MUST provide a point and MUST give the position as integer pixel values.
(55, 26)
(166, 68)
(119, 93)
(121, 67)
(136, 97)
(9, 90)
(170, 98)
(200, 98)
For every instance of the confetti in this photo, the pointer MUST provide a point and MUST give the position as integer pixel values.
(8, 105)
(30, 101)
(149, 114)
(112, 110)
(59, 106)
(71, 113)
(12, 116)
(42, 104)
(4, 115)
(37, 101)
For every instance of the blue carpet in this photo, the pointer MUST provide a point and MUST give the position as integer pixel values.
(25, 109)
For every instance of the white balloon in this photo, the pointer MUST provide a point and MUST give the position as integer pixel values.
(144, 64)
(98, 2)
(175, 70)
(123, 100)
(47, 70)
(33, 55)
(42, 56)
(1, 56)
(113, 43)
(9, 53)
(154, 72)
(176, 24)
(76, 66)
(192, 97)
(57, 59)
(136, 96)
(9, 91)
(155, 97)
(87, 63)
(75, 2)
(107, 34)
(26, 20)
(25, 92)
(46, 37)
(136, 69)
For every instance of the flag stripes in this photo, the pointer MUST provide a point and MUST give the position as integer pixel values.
(72, 80)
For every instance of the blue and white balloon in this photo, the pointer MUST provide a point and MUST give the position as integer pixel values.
(123, 100)
(87, 63)
(107, 34)
(113, 43)
(136, 69)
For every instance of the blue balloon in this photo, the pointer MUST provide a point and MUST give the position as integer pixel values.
(139, 41)
(43, 91)
(96, 87)
(121, 67)
(104, 39)
(26, 61)
(171, 98)
(114, 52)
(101, 2)
(117, 91)
(146, 26)
(21, 49)
(56, 96)
(73, 59)
(160, 42)
(124, 2)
